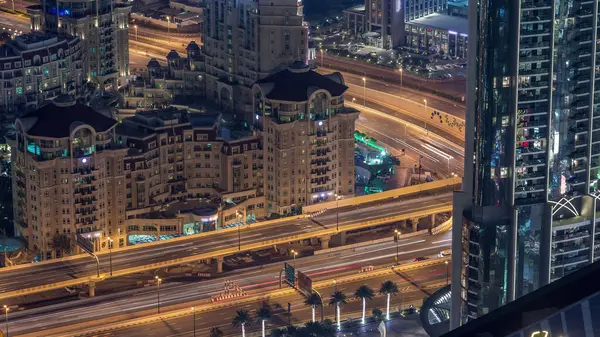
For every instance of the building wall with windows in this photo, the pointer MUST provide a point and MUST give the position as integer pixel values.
(35, 67)
(243, 41)
(176, 156)
(528, 214)
(438, 33)
(103, 28)
(68, 177)
(308, 138)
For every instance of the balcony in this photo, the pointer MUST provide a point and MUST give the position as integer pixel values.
(532, 98)
(537, 71)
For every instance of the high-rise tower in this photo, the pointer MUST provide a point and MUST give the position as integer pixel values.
(103, 27)
(527, 212)
(244, 40)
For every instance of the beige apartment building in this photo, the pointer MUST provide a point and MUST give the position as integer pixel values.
(160, 172)
(307, 135)
(35, 67)
(243, 41)
(68, 176)
(103, 28)
(180, 162)
(181, 80)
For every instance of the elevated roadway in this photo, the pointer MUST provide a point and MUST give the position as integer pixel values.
(56, 274)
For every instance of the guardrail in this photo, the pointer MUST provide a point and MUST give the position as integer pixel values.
(84, 330)
(224, 252)
(392, 194)
(445, 226)
(345, 202)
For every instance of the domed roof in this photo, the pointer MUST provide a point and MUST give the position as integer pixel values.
(173, 55)
(298, 67)
(64, 100)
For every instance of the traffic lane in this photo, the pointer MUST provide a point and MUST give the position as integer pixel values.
(66, 270)
(405, 93)
(414, 154)
(257, 281)
(436, 154)
(454, 87)
(430, 280)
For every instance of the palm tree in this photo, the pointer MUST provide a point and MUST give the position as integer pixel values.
(263, 314)
(377, 314)
(216, 332)
(242, 317)
(388, 288)
(313, 300)
(365, 293)
(338, 298)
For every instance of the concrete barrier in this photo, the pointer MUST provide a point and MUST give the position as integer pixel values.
(443, 227)
(391, 194)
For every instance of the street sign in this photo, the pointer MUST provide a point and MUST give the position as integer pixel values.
(304, 283)
(290, 274)
(85, 244)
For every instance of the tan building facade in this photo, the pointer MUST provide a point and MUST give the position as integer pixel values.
(308, 138)
(243, 41)
(103, 28)
(160, 172)
(68, 177)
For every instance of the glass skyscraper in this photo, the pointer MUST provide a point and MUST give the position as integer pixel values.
(527, 213)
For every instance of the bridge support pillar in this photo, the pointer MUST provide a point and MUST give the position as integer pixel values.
(343, 238)
(92, 289)
(415, 224)
(325, 242)
(218, 261)
(432, 217)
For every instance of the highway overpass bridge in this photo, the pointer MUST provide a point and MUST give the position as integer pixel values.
(380, 209)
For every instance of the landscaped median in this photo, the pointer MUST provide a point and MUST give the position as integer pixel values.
(104, 325)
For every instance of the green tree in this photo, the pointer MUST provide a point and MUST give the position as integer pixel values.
(313, 300)
(242, 317)
(388, 288)
(338, 298)
(377, 314)
(364, 293)
(216, 332)
(61, 242)
(263, 314)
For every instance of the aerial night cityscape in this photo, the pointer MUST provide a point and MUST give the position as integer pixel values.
(299, 168)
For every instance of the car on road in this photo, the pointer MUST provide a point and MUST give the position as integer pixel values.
(421, 258)
(446, 252)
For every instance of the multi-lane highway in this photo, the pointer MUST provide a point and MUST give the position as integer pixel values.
(174, 252)
(437, 154)
(179, 294)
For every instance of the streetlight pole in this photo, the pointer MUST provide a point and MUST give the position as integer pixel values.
(194, 311)
(448, 168)
(397, 238)
(420, 157)
(446, 272)
(168, 25)
(110, 241)
(364, 79)
(6, 319)
(158, 279)
(321, 57)
(337, 213)
(335, 285)
(425, 101)
(136, 34)
(401, 80)
(294, 254)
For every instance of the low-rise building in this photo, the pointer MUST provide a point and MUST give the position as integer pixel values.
(355, 20)
(308, 137)
(36, 67)
(158, 86)
(438, 33)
